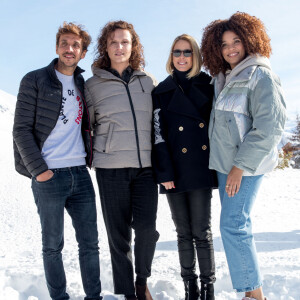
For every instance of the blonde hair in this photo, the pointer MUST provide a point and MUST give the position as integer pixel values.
(197, 61)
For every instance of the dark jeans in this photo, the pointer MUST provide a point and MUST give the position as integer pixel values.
(129, 200)
(69, 188)
(191, 213)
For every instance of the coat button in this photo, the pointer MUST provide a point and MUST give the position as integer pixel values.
(184, 150)
(204, 147)
(201, 125)
(180, 128)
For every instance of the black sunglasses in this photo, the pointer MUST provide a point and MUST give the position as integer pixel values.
(186, 53)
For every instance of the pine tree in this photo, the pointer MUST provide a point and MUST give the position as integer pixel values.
(296, 139)
(290, 156)
(296, 136)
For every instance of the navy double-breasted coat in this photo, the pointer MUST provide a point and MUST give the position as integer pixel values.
(180, 145)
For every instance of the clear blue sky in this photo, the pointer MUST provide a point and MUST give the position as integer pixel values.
(28, 30)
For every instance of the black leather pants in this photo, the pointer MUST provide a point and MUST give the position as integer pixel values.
(191, 213)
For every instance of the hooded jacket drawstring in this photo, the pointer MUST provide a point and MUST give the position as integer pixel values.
(141, 84)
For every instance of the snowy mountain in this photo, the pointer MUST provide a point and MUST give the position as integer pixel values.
(7, 102)
(276, 230)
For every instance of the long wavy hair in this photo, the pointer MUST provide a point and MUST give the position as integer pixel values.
(102, 60)
(249, 29)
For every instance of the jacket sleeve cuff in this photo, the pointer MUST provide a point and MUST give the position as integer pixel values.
(36, 172)
(165, 178)
(244, 168)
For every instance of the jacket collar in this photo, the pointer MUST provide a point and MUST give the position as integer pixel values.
(51, 70)
(242, 72)
(102, 73)
(180, 102)
(170, 84)
(165, 86)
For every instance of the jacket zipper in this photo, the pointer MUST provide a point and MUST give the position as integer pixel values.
(135, 123)
(61, 93)
(214, 112)
(90, 131)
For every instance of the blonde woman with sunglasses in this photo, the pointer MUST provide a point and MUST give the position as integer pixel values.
(182, 105)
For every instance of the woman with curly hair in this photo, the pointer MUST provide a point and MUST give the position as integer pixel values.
(246, 124)
(182, 105)
(120, 106)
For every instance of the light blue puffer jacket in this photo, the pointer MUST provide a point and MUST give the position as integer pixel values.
(247, 119)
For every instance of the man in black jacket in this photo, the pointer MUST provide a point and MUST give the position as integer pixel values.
(52, 145)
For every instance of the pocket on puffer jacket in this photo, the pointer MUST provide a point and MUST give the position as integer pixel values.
(103, 137)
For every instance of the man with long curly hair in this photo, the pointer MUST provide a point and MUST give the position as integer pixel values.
(245, 128)
(120, 104)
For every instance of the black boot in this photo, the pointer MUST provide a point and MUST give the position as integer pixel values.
(207, 291)
(142, 292)
(191, 289)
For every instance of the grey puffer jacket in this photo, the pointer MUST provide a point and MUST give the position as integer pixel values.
(121, 117)
(247, 119)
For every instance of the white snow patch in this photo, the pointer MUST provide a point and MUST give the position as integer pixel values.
(276, 227)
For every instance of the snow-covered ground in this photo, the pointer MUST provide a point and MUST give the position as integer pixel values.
(276, 218)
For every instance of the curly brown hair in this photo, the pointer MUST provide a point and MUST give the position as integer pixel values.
(249, 29)
(75, 29)
(102, 59)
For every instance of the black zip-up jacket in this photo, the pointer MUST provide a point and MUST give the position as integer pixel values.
(37, 110)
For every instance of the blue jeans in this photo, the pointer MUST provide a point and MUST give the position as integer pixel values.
(236, 232)
(69, 188)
